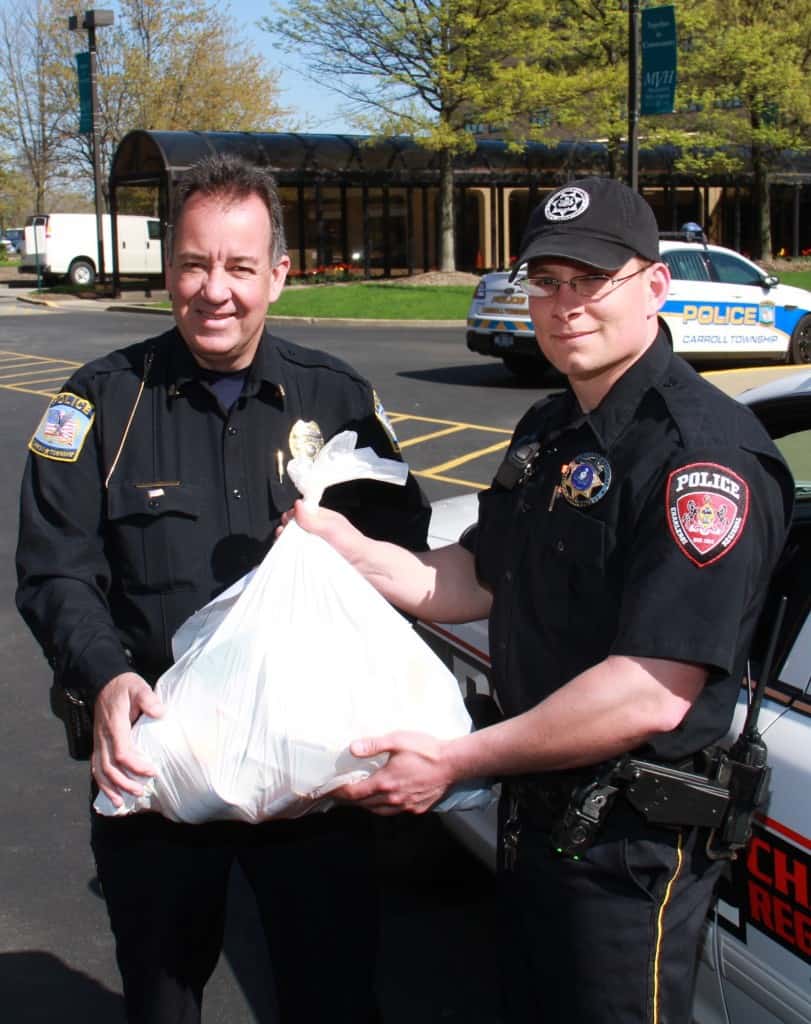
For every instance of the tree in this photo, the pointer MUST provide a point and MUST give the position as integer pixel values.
(743, 90)
(424, 68)
(164, 64)
(178, 65)
(33, 120)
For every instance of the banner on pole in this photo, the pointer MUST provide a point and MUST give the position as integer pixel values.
(658, 93)
(85, 104)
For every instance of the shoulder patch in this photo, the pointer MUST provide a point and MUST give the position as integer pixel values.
(707, 508)
(63, 429)
(385, 423)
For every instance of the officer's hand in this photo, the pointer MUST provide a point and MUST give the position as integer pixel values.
(334, 528)
(115, 759)
(413, 779)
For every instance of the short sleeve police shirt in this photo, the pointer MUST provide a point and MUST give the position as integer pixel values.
(647, 528)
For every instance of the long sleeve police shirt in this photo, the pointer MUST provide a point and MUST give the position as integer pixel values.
(109, 568)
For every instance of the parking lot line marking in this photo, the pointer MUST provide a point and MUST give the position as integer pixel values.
(28, 391)
(450, 423)
(56, 382)
(430, 437)
(449, 479)
(453, 463)
(20, 373)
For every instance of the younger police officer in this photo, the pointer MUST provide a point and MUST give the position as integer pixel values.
(622, 554)
(157, 479)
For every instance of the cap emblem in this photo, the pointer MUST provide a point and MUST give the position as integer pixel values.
(566, 204)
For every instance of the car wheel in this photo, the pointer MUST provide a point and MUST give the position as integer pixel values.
(82, 273)
(800, 348)
(525, 367)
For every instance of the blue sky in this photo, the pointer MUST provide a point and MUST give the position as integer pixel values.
(312, 104)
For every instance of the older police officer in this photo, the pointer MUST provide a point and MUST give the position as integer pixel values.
(155, 479)
(622, 554)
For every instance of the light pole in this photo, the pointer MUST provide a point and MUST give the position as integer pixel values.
(633, 94)
(93, 20)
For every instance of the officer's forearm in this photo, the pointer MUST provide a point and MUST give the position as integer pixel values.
(608, 710)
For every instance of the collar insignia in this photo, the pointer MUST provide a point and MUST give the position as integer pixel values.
(585, 479)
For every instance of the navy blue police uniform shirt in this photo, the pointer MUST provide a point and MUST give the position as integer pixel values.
(106, 575)
(648, 528)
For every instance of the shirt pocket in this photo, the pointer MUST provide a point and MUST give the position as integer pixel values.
(151, 534)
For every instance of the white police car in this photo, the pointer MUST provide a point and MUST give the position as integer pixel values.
(756, 961)
(720, 306)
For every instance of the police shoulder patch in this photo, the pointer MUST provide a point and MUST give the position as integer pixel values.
(707, 508)
(63, 429)
(385, 423)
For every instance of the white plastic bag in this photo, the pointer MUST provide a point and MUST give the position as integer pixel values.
(275, 677)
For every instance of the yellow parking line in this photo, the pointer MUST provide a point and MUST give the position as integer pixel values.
(21, 373)
(56, 381)
(430, 437)
(450, 480)
(28, 391)
(453, 423)
(453, 463)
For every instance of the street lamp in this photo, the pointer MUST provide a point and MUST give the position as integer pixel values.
(91, 21)
(633, 94)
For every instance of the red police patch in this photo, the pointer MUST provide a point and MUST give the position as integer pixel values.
(707, 508)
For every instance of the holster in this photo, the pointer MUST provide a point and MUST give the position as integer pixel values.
(76, 715)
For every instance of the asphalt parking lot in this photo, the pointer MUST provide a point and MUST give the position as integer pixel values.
(453, 413)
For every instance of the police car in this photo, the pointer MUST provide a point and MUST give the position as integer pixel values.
(720, 306)
(756, 960)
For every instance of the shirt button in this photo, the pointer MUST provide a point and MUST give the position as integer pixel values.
(232, 431)
(508, 576)
(236, 493)
(560, 546)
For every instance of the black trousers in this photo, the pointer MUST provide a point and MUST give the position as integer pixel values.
(314, 882)
(611, 938)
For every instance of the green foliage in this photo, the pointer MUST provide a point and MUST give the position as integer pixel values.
(163, 64)
(426, 68)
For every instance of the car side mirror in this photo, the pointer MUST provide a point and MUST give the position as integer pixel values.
(771, 280)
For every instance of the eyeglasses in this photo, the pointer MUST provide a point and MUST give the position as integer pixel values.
(587, 286)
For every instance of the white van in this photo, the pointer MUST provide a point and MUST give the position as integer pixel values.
(66, 244)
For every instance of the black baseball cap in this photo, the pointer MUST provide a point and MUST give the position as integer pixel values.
(597, 221)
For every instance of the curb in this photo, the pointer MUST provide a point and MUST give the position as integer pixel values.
(132, 308)
(33, 301)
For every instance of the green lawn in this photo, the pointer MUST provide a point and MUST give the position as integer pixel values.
(799, 278)
(376, 301)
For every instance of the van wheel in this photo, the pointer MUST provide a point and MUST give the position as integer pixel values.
(800, 350)
(82, 273)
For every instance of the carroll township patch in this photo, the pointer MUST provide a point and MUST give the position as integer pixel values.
(385, 423)
(707, 508)
(63, 429)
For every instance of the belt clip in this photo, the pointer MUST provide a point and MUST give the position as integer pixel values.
(510, 835)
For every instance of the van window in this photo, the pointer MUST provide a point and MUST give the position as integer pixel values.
(153, 228)
(36, 218)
